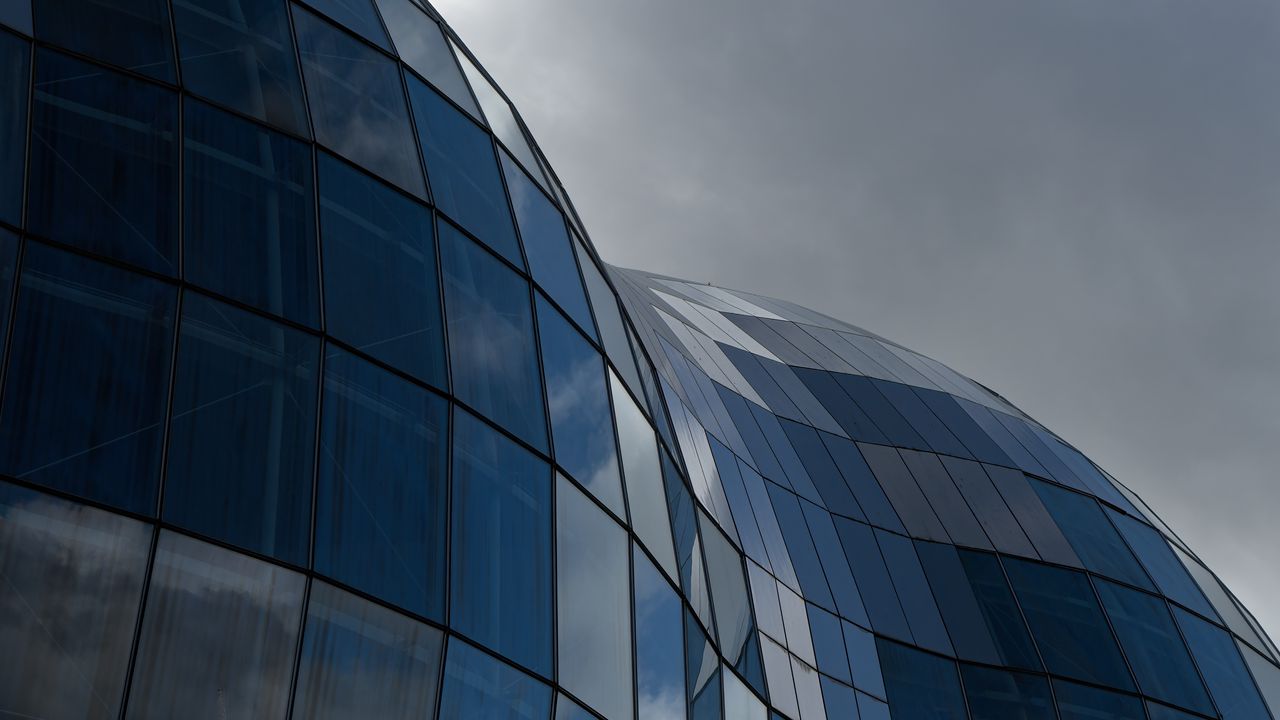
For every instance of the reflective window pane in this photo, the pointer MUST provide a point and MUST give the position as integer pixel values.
(104, 163)
(239, 53)
(1223, 669)
(613, 334)
(357, 102)
(1000, 695)
(380, 280)
(218, 635)
(729, 598)
(250, 215)
(567, 709)
(380, 498)
(501, 570)
(423, 47)
(241, 439)
(15, 76)
(72, 581)
(1091, 535)
(361, 660)
(87, 330)
(1082, 702)
(16, 14)
(920, 685)
(465, 183)
(594, 603)
(133, 34)
(1163, 566)
(501, 119)
(643, 475)
(999, 610)
(491, 341)
(477, 685)
(358, 16)
(660, 686)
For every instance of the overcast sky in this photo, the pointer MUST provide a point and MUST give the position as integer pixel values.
(1076, 203)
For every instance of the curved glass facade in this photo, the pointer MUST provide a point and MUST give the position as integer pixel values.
(316, 402)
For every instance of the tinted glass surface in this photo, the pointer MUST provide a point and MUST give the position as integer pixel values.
(1000, 695)
(1221, 666)
(643, 474)
(477, 685)
(920, 685)
(659, 645)
(422, 46)
(132, 34)
(15, 61)
(1082, 702)
(1092, 536)
(357, 16)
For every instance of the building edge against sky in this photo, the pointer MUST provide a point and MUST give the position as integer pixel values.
(317, 402)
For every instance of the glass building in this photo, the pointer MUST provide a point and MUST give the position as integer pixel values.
(317, 402)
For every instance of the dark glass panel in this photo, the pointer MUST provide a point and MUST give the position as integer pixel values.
(844, 590)
(821, 470)
(684, 527)
(659, 662)
(72, 580)
(501, 119)
(999, 610)
(638, 446)
(901, 489)
(857, 474)
(477, 685)
(84, 330)
(380, 282)
(920, 685)
(934, 431)
(240, 53)
(358, 16)
(868, 568)
(839, 700)
(1164, 567)
(804, 555)
(380, 498)
(9, 243)
(962, 425)
(218, 635)
(357, 102)
(250, 215)
(465, 182)
(491, 340)
(1157, 711)
(1025, 505)
(864, 392)
(1081, 702)
(945, 499)
(15, 79)
(844, 410)
(1091, 535)
(864, 661)
(728, 595)
(1000, 695)
(702, 673)
(1223, 670)
(104, 163)
(501, 569)
(1067, 623)
(957, 603)
(984, 500)
(594, 604)
(913, 592)
(16, 14)
(613, 333)
(241, 440)
(423, 47)
(361, 660)
(828, 644)
(133, 34)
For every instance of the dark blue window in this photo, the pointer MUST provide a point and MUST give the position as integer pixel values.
(857, 474)
(422, 46)
(1000, 695)
(843, 409)
(104, 163)
(491, 342)
(477, 685)
(1153, 647)
(732, 605)
(913, 592)
(85, 395)
(920, 685)
(381, 288)
(886, 417)
(1000, 614)
(250, 214)
(659, 663)
(15, 76)
(701, 673)
(16, 14)
(501, 569)
(873, 579)
(8, 265)
(357, 102)
(962, 425)
(821, 470)
(1026, 507)
(1091, 535)
(984, 500)
(1067, 623)
(241, 440)
(1081, 702)
(828, 644)
(901, 489)
(684, 531)
(357, 16)
(465, 183)
(945, 499)
(132, 34)
(844, 590)
(240, 53)
(380, 499)
(546, 241)
(578, 399)
(1219, 661)
(921, 418)
(613, 333)
(1164, 567)
(957, 602)
(804, 556)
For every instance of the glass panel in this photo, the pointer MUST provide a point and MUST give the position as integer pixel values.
(913, 592)
(240, 53)
(477, 685)
(241, 439)
(613, 334)
(218, 635)
(920, 685)
(799, 542)
(358, 16)
(491, 341)
(1067, 623)
(1091, 535)
(500, 118)
(423, 47)
(15, 77)
(999, 695)
(250, 217)
(594, 602)
(16, 14)
(702, 673)
(465, 183)
(382, 292)
(104, 163)
(567, 709)
(8, 266)
(1159, 560)
(357, 102)
(1000, 613)
(729, 596)
(546, 242)
(1039, 526)
(133, 34)
(86, 330)
(72, 581)
(361, 660)
(1265, 674)
(956, 601)
(777, 667)
(828, 644)
(1219, 662)
(501, 569)
(684, 525)
(1080, 702)
(660, 686)
(901, 489)
(380, 498)
(643, 475)
(739, 703)
(578, 400)
(997, 520)
(864, 662)
(818, 464)
(945, 499)
(868, 567)
(839, 699)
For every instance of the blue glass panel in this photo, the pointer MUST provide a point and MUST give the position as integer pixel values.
(864, 661)
(250, 215)
(868, 567)
(642, 475)
(239, 53)
(844, 590)
(501, 570)
(1153, 647)
(984, 500)
(423, 47)
(500, 116)
(361, 660)
(914, 593)
(465, 182)
(380, 498)
(357, 102)
(1025, 505)
(842, 408)
(701, 673)
(567, 709)
(804, 556)
(491, 341)
(1223, 670)
(828, 644)
(1067, 623)
(684, 529)
(864, 392)
(857, 474)
(1164, 567)
(358, 16)
(839, 700)
(578, 399)
(133, 34)
(1156, 711)
(1000, 614)
(382, 293)
(744, 519)
(8, 265)
(1000, 695)
(821, 470)
(104, 163)
(728, 595)
(1081, 702)
(1091, 535)
(921, 418)
(613, 333)
(477, 685)
(241, 439)
(871, 708)
(85, 330)
(920, 685)
(957, 603)
(16, 14)
(945, 499)
(659, 644)
(15, 77)
(546, 242)
(962, 425)
(901, 489)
